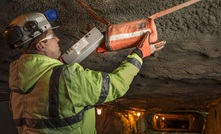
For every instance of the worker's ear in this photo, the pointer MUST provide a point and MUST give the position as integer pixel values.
(39, 46)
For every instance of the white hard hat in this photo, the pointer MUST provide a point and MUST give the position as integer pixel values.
(24, 28)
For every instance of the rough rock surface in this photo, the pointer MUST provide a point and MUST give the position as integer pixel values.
(185, 75)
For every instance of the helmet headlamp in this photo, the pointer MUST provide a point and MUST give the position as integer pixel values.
(28, 26)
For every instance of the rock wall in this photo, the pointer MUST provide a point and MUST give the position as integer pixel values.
(213, 123)
(185, 75)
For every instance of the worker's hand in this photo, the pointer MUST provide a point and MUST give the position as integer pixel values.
(145, 49)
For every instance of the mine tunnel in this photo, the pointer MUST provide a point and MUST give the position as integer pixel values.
(178, 89)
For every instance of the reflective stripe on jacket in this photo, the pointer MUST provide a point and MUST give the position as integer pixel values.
(77, 90)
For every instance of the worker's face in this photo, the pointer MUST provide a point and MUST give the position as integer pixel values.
(49, 45)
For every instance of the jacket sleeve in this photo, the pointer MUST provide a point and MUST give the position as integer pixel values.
(89, 87)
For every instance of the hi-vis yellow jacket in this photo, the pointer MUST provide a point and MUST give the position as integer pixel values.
(49, 97)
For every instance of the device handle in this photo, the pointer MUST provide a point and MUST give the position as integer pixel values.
(172, 9)
(91, 12)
